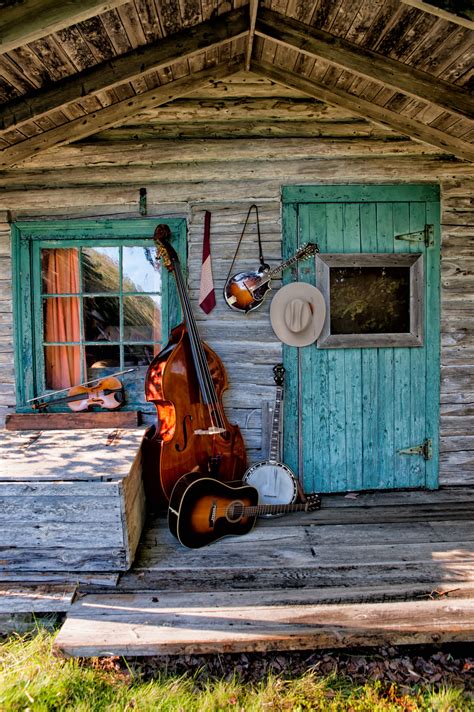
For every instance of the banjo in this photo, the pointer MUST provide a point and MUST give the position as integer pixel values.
(275, 482)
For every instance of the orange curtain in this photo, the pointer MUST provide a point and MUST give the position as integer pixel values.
(61, 276)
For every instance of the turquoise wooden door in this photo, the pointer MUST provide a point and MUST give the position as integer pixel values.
(356, 417)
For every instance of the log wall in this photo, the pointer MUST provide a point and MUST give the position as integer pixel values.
(186, 176)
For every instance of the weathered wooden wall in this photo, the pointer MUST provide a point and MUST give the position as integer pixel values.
(269, 137)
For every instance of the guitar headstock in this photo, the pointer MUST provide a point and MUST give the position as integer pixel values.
(305, 251)
(279, 374)
(313, 502)
(164, 249)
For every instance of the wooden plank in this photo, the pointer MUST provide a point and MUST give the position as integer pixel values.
(133, 506)
(30, 20)
(55, 560)
(459, 13)
(68, 455)
(35, 599)
(111, 153)
(116, 625)
(364, 62)
(111, 115)
(119, 70)
(72, 421)
(367, 109)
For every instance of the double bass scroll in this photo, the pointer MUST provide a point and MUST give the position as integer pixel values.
(186, 381)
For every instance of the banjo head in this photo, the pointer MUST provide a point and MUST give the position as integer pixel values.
(274, 481)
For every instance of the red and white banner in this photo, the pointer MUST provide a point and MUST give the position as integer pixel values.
(207, 296)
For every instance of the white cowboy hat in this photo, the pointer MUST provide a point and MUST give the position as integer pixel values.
(297, 313)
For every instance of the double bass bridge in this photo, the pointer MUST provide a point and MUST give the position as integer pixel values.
(213, 430)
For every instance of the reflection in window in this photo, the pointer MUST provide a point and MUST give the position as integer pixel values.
(138, 274)
(100, 269)
(142, 318)
(102, 318)
(370, 300)
(102, 356)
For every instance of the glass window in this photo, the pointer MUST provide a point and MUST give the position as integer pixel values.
(92, 307)
(373, 299)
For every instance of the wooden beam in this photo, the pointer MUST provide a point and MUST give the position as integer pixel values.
(159, 54)
(364, 62)
(114, 114)
(459, 13)
(362, 107)
(253, 9)
(28, 20)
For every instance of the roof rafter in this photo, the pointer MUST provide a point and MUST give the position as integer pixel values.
(162, 53)
(253, 10)
(114, 114)
(463, 16)
(29, 20)
(365, 62)
(366, 109)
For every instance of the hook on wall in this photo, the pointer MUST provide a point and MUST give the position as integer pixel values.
(142, 206)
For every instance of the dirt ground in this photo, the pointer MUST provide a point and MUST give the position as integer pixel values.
(448, 665)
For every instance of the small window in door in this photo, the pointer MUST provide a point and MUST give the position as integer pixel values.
(373, 300)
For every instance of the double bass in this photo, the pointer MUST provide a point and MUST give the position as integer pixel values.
(185, 381)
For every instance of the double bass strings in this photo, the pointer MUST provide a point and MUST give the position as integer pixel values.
(202, 367)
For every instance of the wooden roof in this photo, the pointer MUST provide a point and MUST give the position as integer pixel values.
(70, 70)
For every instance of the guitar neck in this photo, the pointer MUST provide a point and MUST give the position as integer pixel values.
(261, 509)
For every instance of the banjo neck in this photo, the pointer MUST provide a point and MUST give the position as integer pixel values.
(274, 455)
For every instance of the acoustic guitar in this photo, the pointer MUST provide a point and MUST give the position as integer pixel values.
(246, 291)
(202, 509)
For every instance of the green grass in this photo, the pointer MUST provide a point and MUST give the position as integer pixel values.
(33, 678)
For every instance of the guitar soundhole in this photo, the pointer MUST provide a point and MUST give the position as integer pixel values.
(235, 511)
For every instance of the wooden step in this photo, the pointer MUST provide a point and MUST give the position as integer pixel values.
(175, 624)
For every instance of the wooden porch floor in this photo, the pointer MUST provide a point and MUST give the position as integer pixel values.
(377, 568)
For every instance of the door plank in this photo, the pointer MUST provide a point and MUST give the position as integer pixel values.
(433, 356)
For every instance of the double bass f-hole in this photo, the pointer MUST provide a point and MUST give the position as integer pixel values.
(185, 434)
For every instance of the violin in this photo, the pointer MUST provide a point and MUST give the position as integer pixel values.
(185, 381)
(106, 393)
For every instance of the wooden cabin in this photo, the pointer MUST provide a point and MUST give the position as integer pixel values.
(348, 123)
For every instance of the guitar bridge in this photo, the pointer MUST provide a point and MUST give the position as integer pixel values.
(212, 515)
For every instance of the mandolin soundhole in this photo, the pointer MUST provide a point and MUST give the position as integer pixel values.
(235, 511)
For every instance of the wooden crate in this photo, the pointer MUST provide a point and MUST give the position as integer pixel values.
(70, 501)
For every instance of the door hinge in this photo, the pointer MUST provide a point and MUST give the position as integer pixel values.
(426, 235)
(425, 449)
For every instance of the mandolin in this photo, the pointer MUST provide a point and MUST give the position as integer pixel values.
(203, 509)
(246, 291)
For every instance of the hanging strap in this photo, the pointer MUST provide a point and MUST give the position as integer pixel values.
(260, 250)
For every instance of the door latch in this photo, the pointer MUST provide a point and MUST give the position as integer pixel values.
(426, 235)
(425, 449)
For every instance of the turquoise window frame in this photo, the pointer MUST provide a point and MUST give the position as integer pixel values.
(29, 237)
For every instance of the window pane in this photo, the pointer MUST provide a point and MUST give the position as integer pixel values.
(101, 356)
(61, 319)
(370, 300)
(141, 355)
(100, 269)
(142, 318)
(60, 271)
(62, 366)
(102, 318)
(139, 275)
